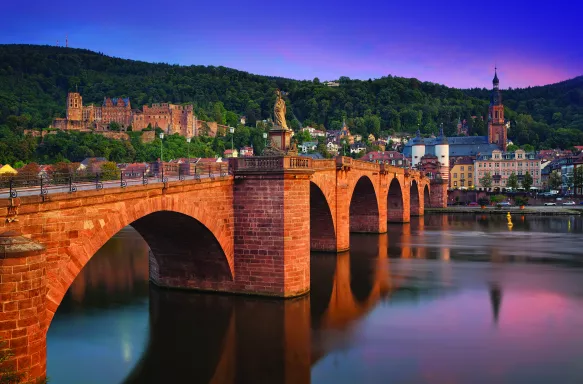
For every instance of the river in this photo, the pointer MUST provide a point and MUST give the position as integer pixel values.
(444, 299)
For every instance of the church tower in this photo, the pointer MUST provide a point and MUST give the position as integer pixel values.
(496, 126)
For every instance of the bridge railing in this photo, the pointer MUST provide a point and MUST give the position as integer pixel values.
(29, 184)
(270, 163)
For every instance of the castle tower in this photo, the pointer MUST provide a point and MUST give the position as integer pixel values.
(418, 150)
(442, 153)
(496, 127)
(74, 107)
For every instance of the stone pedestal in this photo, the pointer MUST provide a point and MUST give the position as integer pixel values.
(23, 288)
(280, 138)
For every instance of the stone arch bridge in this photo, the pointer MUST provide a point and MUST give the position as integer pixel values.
(248, 232)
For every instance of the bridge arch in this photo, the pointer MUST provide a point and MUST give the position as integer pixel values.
(189, 247)
(364, 207)
(322, 228)
(395, 203)
(415, 199)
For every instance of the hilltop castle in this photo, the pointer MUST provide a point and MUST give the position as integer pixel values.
(171, 118)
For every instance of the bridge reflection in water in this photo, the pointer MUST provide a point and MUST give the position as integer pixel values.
(208, 338)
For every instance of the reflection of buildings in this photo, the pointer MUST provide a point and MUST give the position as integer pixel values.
(115, 270)
(496, 300)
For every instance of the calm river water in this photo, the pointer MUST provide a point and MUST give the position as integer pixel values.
(445, 299)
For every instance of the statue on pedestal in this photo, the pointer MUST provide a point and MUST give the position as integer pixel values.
(279, 111)
(280, 143)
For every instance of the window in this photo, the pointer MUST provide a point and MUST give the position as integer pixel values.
(455, 183)
(462, 183)
(470, 168)
(519, 173)
(462, 167)
(469, 175)
(469, 183)
(455, 175)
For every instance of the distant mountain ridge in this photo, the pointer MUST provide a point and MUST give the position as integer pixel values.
(34, 81)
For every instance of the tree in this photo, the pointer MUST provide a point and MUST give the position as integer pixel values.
(578, 179)
(555, 180)
(303, 136)
(527, 181)
(511, 148)
(7, 374)
(109, 171)
(113, 126)
(512, 181)
(486, 180)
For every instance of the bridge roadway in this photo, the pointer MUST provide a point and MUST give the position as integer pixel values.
(249, 232)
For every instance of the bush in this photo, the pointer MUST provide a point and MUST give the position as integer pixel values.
(484, 201)
(520, 201)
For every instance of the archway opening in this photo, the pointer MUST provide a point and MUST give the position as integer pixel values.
(416, 208)
(395, 204)
(183, 252)
(364, 210)
(426, 198)
(106, 305)
(322, 234)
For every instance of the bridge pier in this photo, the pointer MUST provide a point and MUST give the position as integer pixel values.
(438, 193)
(272, 226)
(23, 317)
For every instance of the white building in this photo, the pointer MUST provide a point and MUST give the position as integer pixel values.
(357, 148)
(332, 147)
(308, 146)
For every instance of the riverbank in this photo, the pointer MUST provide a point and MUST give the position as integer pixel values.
(529, 210)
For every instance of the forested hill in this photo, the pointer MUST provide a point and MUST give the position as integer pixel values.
(34, 81)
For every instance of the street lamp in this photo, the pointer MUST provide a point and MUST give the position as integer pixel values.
(232, 131)
(188, 149)
(265, 138)
(161, 150)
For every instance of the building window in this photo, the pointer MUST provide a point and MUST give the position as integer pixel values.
(469, 183)
(455, 183)
(469, 175)
(470, 168)
(455, 175)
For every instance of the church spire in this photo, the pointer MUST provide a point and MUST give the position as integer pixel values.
(495, 81)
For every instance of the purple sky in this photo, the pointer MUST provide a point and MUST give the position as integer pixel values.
(451, 42)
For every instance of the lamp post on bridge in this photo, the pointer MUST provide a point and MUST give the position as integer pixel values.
(232, 131)
(188, 149)
(161, 150)
(265, 139)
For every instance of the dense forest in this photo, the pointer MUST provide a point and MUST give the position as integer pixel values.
(34, 81)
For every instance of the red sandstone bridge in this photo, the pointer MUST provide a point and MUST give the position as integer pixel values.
(250, 231)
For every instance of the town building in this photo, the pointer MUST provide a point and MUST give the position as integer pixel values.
(473, 145)
(332, 147)
(357, 148)
(231, 153)
(461, 174)
(500, 165)
(387, 157)
(246, 151)
(308, 146)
